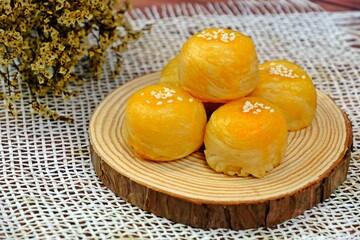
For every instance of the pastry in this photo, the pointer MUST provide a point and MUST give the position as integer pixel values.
(163, 123)
(288, 86)
(170, 76)
(246, 137)
(218, 65)
(170, 73)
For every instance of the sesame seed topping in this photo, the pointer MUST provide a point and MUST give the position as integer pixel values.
(303, 76)
(179, 98)
(282, 71)
(159, 103)
(256, 107)
(163, 94)
(142, 94)
(147, 101)
(219, 34)
(170, 101)
(191, 99)
(224, 37)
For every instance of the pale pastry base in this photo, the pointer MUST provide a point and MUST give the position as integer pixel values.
(231, 161)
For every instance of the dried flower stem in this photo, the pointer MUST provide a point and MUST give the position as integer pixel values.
(43, 41)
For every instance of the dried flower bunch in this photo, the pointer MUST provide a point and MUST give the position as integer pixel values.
(41, 42)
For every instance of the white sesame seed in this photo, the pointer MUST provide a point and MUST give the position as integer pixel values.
(191, 99)
(225, 37)
(248, 106)
(179, 98)
(163, 94)
(142, 94)
(272, 110)
(303, 76)
(282, 71)
(159, 103)
(170, 101)
(147, 101)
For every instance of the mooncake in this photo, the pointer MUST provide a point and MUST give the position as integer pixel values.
(218, 65)
(246, 137)
(289, 87)
(170, 73)
(163, 123)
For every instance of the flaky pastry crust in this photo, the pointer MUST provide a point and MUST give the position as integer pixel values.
(164, 123)
(246, 136)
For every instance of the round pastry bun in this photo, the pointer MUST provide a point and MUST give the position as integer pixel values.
(164, 123)
(170, 73)
(170, 76)
(246, 136)
(288, 86)
(218, 65)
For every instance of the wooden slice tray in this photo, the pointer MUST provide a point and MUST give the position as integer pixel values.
(188, 191)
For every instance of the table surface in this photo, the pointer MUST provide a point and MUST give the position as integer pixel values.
(328, 5)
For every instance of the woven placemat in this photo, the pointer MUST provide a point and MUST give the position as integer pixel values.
(49, 190)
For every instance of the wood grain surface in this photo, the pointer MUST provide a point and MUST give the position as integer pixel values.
(188, 191)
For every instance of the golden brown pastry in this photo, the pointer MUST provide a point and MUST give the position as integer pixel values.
(170, 73)
(246, 136)
(288, 86)
(170, 76)
(164, 123)
(218, 65)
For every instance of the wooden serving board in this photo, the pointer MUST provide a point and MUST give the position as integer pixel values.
(188, 191)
